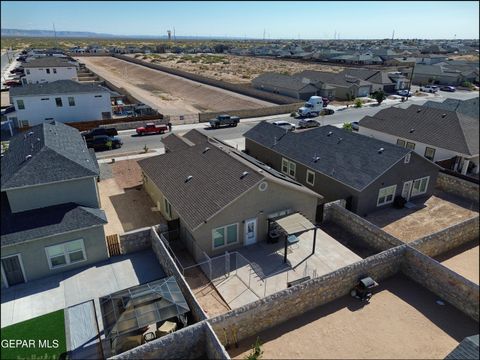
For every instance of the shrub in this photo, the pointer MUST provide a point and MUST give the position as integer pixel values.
(358, 103)
(347, 126)
(293, 114)
(256, 351)
(379, 96)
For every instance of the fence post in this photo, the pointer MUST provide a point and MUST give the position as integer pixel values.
(227, 264)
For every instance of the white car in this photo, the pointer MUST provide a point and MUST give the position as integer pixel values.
(429, 88)
(284, 125)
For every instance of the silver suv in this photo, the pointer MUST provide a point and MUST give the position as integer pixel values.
(429, 88)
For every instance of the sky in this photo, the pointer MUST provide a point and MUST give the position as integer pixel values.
(278, 20)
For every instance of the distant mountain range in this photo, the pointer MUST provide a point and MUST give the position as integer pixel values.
(86, 34)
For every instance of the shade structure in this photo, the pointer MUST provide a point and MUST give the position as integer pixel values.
(134, 308)
(294, 224)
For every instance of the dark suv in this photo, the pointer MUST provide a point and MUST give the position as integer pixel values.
(104, 142)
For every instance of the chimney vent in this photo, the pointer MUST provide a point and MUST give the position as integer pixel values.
(245, 173)
(381, 150)
(412, 130)
(205, 150)
(189, 177)
(330, 133)
(28, 157)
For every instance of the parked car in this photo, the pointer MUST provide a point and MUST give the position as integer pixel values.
(448, 88)
(308, 123)
(100, 132)
(405, 93)
(104, 142)
(151, 128)
(355, 126)
(326, 101)
(12, 83)
(326, 111)
(284, 125)
(222, 120)
(17, 71)
(429, 88)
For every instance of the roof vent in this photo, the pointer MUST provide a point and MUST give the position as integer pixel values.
(28, 157)
(189, 177)
(245, 173)
(30, 133)
(330, 133)
(38, 139)
(419, 110)
(381, 150)
(316, 158)
(412, 130)
(205, 150)
(339, 140)
(443, 115)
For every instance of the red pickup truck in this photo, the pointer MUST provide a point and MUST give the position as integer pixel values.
(151, 128)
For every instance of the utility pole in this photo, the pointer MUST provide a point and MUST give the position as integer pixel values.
(393, 34)
(55, 35)
(174, 36)
(411, 80)
(263, 35)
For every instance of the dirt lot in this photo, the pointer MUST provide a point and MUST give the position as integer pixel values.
(232, 68)
(402, 321)
(435, 213)
(464, 261)
(126, 204)
(167, 93)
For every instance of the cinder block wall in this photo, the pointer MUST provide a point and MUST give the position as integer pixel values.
(447, 284)
(459, 187)
(135, 240)
(249, 113)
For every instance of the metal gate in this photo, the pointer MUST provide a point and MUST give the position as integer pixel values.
(113, 244)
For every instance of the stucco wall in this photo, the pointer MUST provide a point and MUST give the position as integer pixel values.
(34, 257)
(80, 191)
(157, 197)
(272, 310)
(39, 75)
(448, 285)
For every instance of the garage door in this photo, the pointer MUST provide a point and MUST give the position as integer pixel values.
(363, 91)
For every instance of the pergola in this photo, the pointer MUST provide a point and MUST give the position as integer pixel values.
(294, 224)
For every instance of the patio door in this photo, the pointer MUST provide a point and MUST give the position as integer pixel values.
(12, 270)
(407, 190)
(250, 231)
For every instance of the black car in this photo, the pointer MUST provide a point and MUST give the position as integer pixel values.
(104, 142)
(99, 132)
(448, 88)
(327, 111)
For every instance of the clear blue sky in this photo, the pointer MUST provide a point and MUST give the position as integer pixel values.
(307, 20)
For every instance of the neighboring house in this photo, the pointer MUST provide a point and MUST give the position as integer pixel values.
(51, 216)
(61, 100)
(443, 74)
(363, 59)
(468, 107)
(436, 134)
(219, 197)
(284, 85)
(339, 164)
(380, 79)
(48, 69)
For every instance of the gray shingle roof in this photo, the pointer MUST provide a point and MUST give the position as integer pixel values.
(283, 81)
(172, 142)
(468, 107)
(48, 61)
(56, 87)
(338, 79)
(34, 224)
(216, 181)
(454, 131)
(354, 161)
(58, 153)
(467, 349)
(196, 137)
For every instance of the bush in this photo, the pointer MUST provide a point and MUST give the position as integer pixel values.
(347, 126)
(256, 351)
(358, 103)
(379, 96)
(468, 84)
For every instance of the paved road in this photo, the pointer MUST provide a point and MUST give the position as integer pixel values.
(134, 143)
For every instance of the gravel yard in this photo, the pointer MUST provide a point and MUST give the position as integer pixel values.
(464, 261)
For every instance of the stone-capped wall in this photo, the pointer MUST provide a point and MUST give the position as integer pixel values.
(457, 186)
(448, 238)
(214, 348)
(369, 234)
(249, 113)
(447, 284)
(135, 240)
(286, 304)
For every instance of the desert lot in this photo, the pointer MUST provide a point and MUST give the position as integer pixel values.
(232, 68)
(169, 94)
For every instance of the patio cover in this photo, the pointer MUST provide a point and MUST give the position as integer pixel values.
(139, 306)
(294, 224)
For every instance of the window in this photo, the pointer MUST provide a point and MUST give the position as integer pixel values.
(48, 71)
(44, 99)
(310, 177)
(407, 158)
(288, 167)
(410, 145)
(284, 166)
(429, 153)
(386, 195)
(20, 105)
(65, 254)
(71, 101)
(54, 71)
(225, 235)
(59, 102)
(401, 142)
(106, 115)
(98, 96)
(47, 119)
(27, 71)
(420, 186)
(168, 208)
(24, 123)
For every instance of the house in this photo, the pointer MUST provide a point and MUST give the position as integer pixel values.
(48, 69)
(338, 164)
(443, 74)
(284, 85)
(468, 107)
(220, 198)
(439, 135)
(380, 79)
(51, 216)
(61, 100)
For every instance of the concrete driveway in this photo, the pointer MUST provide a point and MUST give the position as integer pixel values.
(39, 297)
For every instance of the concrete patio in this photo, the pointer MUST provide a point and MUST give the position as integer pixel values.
(39, 297)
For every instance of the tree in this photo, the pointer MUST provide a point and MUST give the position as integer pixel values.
(347, 126)
(379, 96)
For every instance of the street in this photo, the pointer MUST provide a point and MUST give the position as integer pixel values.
(134, 143)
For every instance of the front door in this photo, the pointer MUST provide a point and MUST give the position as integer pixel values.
(13, 270)
(407, 190)
(250, 231)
